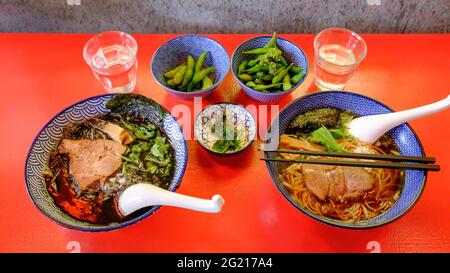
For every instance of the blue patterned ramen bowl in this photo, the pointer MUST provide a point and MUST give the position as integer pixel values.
(175, 51)
(50, 136)
(404, 137)
(291, 52)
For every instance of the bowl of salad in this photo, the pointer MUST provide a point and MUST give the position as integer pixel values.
(225, 128)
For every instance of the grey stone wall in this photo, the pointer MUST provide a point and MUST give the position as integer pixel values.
(232, 16)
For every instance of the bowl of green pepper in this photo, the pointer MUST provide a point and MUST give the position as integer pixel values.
(190, 66)
(269, 67)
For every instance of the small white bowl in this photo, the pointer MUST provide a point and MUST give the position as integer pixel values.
(243, 118)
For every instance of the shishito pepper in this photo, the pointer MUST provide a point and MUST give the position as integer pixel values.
(253, 62)
(297, 78)
(245, 77)
(281, 75)
(263, 50)
(296, 69)
(282, 60)
(260, 87)
(268, 66)
(242, 66)
(272, 42)
(256, 68)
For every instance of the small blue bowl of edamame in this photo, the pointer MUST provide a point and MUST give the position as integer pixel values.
(175, 52)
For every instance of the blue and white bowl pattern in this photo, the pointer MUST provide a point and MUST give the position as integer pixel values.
(291, 52)
(404, 137)
(175, 51)
(243, 118)
(48, 139)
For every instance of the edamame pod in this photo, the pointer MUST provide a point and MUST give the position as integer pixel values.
(178, 78)
(250, 84)
(199, 77)
(206, 83)
(287, 82)
(169, 74)
(189, 72)
(200, 61)
(171, 83)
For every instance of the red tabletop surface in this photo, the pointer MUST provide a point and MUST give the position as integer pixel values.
(43, 73)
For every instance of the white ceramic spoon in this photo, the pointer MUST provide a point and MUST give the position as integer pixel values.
(143, 195)
(370, 128)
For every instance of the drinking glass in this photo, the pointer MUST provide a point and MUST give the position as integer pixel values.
(112, 57)
(338, 52)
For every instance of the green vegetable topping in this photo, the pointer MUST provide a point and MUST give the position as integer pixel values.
(225, 144)
(324, 137)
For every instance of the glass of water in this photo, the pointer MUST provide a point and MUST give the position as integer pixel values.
(338, 52)
(112, 57)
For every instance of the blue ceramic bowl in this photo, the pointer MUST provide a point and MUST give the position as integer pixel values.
(291, 52)
(175, 51)
(49, 137)
(404, 137)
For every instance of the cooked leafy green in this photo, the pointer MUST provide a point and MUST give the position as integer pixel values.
(338, 133)
(150, 153)
(324, 137)
(225, 145)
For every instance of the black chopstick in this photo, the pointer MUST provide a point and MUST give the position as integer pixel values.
(384, 165)
(359, 155)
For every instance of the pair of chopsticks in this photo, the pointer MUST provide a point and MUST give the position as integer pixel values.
(396, 161)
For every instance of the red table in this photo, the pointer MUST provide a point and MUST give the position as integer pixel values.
(42, 73)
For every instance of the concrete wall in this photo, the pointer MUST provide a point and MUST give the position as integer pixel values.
(232, 16)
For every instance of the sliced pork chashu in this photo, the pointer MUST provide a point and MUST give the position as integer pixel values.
(336, 182)
(91, 161)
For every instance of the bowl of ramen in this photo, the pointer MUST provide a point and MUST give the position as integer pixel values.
(348, 197)
(90, 152)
